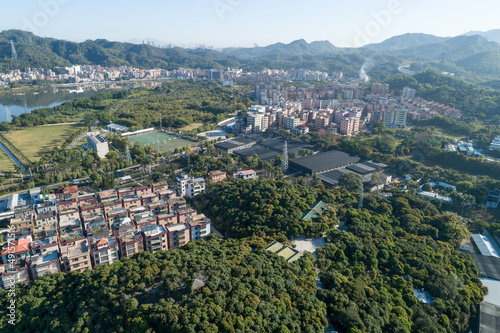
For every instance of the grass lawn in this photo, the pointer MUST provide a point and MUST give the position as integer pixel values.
(6, 163)
(190, 127)
(38, 141)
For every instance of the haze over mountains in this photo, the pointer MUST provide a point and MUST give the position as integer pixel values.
(476, 53)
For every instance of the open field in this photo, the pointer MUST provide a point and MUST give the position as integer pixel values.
(168, 142)
(38, 141)
(6, 164)
(190, 127)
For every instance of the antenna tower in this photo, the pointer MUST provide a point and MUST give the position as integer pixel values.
(284, 162)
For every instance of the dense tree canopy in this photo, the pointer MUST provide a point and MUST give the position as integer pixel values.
(244, 292)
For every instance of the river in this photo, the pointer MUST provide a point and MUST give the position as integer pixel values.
(19, 103)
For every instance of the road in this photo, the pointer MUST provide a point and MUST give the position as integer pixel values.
(405, 69)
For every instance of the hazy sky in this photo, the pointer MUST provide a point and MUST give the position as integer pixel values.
(223, 23)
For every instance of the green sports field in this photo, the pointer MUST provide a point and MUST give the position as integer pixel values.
(168, 142)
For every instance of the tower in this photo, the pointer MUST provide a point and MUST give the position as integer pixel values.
(284, 162)
(127, 154)
(14, 53)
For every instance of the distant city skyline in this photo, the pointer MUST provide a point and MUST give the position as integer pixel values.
(244, 23)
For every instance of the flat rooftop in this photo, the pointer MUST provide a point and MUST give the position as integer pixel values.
(323, 162)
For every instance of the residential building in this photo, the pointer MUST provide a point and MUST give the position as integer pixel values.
(67, 193)
(18, 250)
(292, 122)
(246, 175)
(495, 144)
(217, 176)
(104, 251)
(44, 264)
(194, 187)
(349, 126)
(200, 227)
(178, 235)
(493, 200)
(130, 243)
(14, 273)
(155, 238)
(75, 251)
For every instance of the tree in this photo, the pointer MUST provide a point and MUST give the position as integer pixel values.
(351, 181)
(427, 187)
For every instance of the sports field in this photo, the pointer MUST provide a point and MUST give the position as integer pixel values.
(168, 142)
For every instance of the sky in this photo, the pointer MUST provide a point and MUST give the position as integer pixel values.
(244, 23)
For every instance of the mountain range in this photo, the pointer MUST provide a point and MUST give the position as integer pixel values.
(476, 53)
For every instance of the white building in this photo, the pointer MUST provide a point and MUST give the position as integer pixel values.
(194, 187)
(200, 228)
(98, 142)
(247, 174)
(105, 251)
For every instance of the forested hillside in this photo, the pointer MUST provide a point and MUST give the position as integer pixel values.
(243, 292)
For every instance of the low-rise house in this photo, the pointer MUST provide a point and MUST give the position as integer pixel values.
(90, 210)
(144, 219)
(432, 195)
(176, 204)
(155, 238)
(69, 193)
(160, 187)
(148, 198)
(186, 213)
(46, 225)
(64, 205)
(44, 246)
(69, 214)
(167, 219)
(46, 207)
(88, 200)
(158, 207)
(104, 251)
(194, 187)
(140, 191)
(124, 192)
(131, 201)
(130, 243)
(246, 175)
(217, 176)
(97, 218)
(178, 235)
(75, 251)
(97, 230)
(111, 205)
(132, 212)
(12, 274)
(116, 215)
(123, 226)
(44, 264)
(23, 220)
(200, 228)
(108, 195)
(17, 250)
(167, 194)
